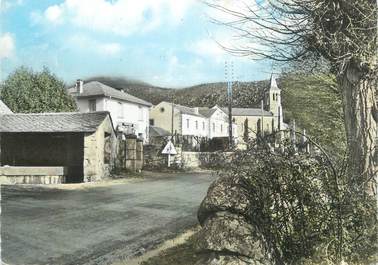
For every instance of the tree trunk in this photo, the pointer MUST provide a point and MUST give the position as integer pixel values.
(361, 128)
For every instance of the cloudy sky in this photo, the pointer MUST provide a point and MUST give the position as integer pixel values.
(163, 42)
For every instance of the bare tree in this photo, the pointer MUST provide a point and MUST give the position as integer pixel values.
(343, 32)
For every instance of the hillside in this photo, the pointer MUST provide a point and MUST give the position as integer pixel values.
(307, 99)
(246, 94)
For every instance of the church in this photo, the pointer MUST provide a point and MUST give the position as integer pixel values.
(267, 119)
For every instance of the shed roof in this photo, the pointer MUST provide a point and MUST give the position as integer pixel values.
(4, 108)
(157, 131)
(52, 122)
(248, 112)
(95, 88)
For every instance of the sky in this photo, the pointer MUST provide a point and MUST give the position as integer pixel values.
(170, 43)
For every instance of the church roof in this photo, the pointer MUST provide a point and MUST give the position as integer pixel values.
(248, 112)
(273, 83)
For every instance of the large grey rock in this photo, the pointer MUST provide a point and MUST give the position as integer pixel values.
(225, 194)
(226, 232)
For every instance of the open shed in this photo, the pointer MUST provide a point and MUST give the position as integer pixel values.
(55, 147)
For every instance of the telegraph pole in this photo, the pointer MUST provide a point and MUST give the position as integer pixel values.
(262, 118)
(229, 99)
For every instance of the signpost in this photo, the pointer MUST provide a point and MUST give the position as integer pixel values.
(169, 150)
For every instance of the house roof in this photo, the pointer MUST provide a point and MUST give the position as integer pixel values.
(157, 131)
(4, 108)
(188, 110)
(95, 89)
(206, 112)
(247, 112)
(52, 122)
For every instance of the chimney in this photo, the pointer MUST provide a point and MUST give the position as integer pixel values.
(79, 86)
(196, 110)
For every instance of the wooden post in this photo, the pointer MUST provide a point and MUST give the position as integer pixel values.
(294, 137)
(262, 118)
(305, 142)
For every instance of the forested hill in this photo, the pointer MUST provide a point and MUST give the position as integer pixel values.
(246, 94)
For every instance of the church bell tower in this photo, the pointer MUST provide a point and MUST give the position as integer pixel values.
(273, 100)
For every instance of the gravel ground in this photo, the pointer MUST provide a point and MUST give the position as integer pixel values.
(99, 224)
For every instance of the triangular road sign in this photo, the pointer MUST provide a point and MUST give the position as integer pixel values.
(169, 149)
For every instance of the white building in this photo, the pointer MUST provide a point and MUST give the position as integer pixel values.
(217, 122)
(4, 108)
(128, 113)
(187, 121)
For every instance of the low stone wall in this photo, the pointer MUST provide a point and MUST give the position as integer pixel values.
(32, 175)
(188, 160)
(204, 159)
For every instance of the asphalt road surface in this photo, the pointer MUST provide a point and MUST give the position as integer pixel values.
(100, 225)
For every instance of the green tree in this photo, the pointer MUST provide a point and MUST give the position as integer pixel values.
(341, 32)
(316, 107)
(26, 91)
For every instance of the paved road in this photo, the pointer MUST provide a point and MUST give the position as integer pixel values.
(97, 225)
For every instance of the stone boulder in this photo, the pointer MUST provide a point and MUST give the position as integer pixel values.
(225, 194)
(230, 233)
(226, 233)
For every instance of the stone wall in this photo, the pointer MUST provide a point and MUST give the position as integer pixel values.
(129, 153)
(188, 160)
(95, 167)
(32, 175)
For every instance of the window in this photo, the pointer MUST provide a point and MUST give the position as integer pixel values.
(92, 105)
(213, 126)
(203, 125)
(221, 127)
(196, 125)
(274, 96)
(152, 122)
(162, 109)
(187, 123)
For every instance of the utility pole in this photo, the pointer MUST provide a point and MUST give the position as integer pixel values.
(262, 118)
(294, 136)
(229, 98)
(172, 118)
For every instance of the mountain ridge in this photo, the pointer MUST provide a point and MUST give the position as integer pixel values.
(246, 94)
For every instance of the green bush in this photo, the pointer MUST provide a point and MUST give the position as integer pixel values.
(302, 206)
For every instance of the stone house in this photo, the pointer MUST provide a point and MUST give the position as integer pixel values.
(129, 114)
(187, 121)
(56, 147)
